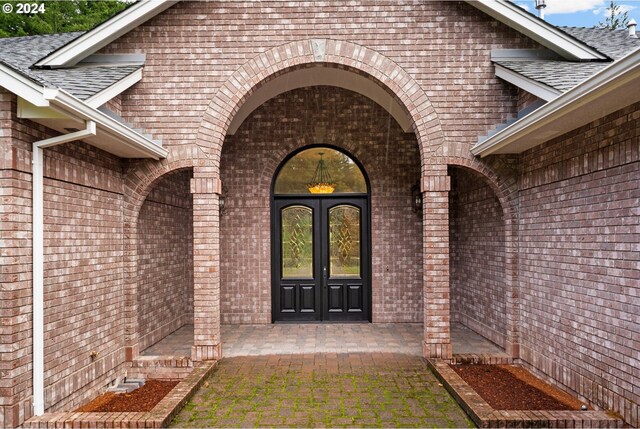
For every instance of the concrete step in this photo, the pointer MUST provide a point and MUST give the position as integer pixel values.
(126, 386)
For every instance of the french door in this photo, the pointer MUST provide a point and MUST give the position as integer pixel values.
(321, 259)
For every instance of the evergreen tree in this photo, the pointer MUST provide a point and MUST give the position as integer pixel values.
(60, 16)
(615, 17)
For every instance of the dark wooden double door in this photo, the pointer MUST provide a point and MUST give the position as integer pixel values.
(321, 259)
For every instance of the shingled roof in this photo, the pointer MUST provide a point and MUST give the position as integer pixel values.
(563, 75)
(82, 81)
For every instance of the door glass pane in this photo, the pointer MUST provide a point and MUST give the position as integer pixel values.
(344, 241)
(302, 170)
(297, 242)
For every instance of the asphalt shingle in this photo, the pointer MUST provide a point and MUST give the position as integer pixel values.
(20, 53)
(560, 75)
(614, 43)
(564, 75)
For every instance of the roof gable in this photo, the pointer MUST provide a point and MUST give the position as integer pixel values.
(504, 11)
(91, 41)
(539, 30)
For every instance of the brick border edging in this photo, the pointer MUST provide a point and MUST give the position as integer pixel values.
(484, 416)
(159, 417)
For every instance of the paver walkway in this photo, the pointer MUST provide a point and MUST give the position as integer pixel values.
(322, 390)
(251, 340)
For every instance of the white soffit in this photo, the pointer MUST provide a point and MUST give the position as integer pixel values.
(315, 76)
(538, 89)
(537, 29)
(60, 111)
(611, 89)
(85, 45)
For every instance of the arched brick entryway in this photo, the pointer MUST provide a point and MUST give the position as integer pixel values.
(426, 126)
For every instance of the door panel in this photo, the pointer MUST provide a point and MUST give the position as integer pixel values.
(355, 303)
(307, 298)
(297, 282)
(345, 235)
(335, 299)
(321, 259)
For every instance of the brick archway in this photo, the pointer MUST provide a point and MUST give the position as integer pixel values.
(506, 195)
(325, 52)
(140, 180)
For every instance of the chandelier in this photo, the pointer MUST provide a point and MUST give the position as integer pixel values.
(321, 182)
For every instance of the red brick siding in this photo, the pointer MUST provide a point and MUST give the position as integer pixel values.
(525, 99)
(477, 256)
(83, 269)
(250, 159)
(193, 48)
(165, 259)
(579, 277)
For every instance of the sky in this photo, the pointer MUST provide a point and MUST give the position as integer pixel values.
(580, 13)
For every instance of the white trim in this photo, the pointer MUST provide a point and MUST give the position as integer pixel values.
(123, 133)
(114, 59)
(37, 223)
(523, 54)
(105, 33)
(540, 31)
(119, 87)
(22, 86)
(538, 89)
(62, 101)
(37, 265)
(90, 130)
(605, 92)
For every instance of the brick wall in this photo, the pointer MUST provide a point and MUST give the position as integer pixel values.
(165, 259)
(250, 158)
(525, 99)
(477, 256)
(83, 269)
(579, 277)
(193, 48)
(15, 276)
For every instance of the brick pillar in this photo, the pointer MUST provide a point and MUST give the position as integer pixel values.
(435, 215)
(206, 267)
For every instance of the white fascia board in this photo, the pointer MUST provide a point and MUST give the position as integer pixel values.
(105, 33)
(538, 89)
(619, 75)
(540, 31)
(22, 86)
(119, 87)
(107, 124)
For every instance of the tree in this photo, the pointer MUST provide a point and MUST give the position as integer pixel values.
(616, 18)
(56, 16)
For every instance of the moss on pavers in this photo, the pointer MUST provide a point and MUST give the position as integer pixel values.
(323, 390)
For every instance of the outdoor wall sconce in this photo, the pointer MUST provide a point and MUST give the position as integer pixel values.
(416, 198)
(221, 200)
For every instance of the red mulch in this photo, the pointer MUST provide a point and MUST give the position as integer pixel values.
(508, 387)
(142, 399)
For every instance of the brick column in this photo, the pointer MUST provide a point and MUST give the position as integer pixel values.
(435, 215)
(206, 267)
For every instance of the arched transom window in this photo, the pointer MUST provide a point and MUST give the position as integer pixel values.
(320, 170)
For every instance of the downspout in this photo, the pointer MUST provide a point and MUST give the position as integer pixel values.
(38, 256)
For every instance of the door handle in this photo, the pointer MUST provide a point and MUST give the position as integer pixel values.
(324, 277)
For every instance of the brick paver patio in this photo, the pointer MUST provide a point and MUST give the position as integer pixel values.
(322, 390)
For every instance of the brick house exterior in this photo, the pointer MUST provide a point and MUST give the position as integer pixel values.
(529, 238)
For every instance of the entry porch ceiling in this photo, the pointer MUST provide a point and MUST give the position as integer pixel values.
(322, 76)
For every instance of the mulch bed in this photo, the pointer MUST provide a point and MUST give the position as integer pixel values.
(509, 387)
(139, 400)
